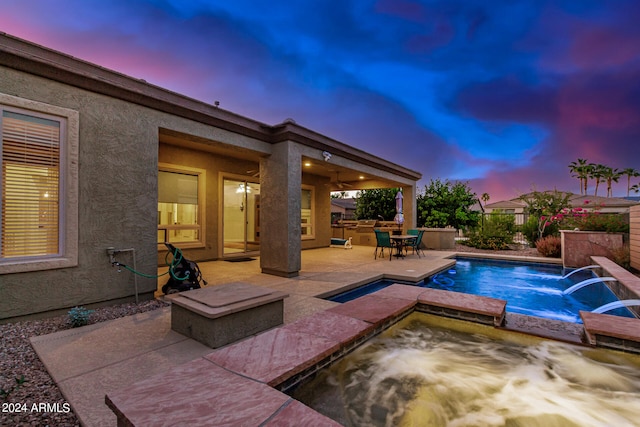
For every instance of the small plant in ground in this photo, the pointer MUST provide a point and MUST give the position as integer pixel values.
(549, 246)
(79, 316)
(5, 393)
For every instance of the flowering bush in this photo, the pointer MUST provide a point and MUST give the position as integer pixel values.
(584, 220)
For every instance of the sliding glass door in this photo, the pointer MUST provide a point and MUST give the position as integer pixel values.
(241, 217)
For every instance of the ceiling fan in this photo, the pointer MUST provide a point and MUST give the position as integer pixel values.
(339, 183)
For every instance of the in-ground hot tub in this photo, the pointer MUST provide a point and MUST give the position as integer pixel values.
(433, 371)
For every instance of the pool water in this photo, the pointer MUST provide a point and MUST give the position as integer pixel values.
(533, 289)
(429, 371)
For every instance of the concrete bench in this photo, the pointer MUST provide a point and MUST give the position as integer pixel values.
(219, 315)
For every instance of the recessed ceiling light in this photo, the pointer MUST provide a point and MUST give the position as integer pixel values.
(307, 164)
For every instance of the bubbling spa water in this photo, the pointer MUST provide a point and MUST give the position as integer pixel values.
(420, 374)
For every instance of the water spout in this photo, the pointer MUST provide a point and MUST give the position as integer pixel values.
(586, 283)
(580, 269)
(617, 304)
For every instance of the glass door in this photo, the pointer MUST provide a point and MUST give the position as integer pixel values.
(241, 217)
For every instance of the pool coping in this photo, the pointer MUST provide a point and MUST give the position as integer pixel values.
(244, 382)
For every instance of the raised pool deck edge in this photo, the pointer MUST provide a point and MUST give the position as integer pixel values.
(245, 380)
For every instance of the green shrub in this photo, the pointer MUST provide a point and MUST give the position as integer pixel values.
(499, 224)
(531, 232)
(480, 241)
(79, 316)
(549, 246)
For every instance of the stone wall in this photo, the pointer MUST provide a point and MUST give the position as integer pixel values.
(634, 236)
(579, 246)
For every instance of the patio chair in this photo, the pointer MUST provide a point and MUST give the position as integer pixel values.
(383, 240)
(415, 243)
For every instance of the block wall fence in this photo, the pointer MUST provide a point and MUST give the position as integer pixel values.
(634, 236)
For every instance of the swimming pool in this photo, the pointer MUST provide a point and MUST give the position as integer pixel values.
(533, 289)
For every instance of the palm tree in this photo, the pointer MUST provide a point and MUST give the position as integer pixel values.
(611, 175)
(597, 173)
(485, 198)
(587, 169)
(580, 170)
(630, 173)
(635, 188)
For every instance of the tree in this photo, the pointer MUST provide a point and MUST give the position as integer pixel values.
(376, 204)
(443, 204)
(597, 173)
(581, 170)
(542, 205)
(630, 173)
(610, 176)
(485, 198)
(339, 195)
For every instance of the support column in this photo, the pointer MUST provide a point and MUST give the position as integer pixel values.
(409, 209)
(280, 220)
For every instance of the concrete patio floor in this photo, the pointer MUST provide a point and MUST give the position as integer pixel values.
(89, 362)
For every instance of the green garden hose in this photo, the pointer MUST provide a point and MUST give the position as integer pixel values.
(177, 258)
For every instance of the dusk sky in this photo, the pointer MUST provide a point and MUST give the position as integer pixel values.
(503, 95)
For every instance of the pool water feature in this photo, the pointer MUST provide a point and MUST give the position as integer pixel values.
(533, 289)
(432, 371)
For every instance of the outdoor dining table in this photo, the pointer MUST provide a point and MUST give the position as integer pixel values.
(401, 241)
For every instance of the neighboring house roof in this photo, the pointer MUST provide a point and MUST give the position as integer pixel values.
(579, 200)
(506, 204)
(575, 200)
(344, 203)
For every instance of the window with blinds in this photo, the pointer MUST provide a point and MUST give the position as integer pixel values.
(30, 185)
(179, 209)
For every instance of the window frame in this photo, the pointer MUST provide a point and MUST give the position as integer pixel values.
(67, 255)
(201, 216)
(312, 221)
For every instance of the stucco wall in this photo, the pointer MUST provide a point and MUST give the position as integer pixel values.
(117, 190)
(634, 236)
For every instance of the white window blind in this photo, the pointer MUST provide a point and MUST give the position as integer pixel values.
(30, 185)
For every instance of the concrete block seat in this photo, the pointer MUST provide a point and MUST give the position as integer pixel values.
(219, 315)
(475, 308)
(605, 330)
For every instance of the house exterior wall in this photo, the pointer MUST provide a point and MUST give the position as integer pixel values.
(118, 197)
(125, 128)
(634, 237)
(117, 161)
